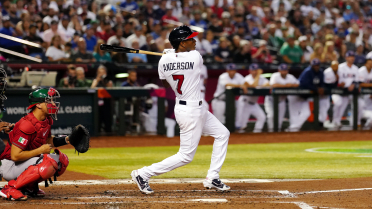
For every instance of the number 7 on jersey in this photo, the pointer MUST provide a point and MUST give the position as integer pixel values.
(180, 79)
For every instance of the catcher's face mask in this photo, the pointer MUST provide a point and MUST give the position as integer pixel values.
(51, 102)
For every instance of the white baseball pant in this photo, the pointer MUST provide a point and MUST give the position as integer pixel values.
(245, 110)
(324, 104)
(194, 120)
(299, 112)
(339, 106)
(10, 170)
(269, 108)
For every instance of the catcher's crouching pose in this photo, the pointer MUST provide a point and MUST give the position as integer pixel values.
(26, 160)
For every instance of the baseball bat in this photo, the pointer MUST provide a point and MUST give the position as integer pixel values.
(121, 49)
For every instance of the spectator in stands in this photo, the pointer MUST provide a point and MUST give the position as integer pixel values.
(129, 5)
(56, 50)
(118, 37)
(68, 31)
(318, 52)
(262, 54)
(161, 39)
(138, 35)
(33, 37)
(137, 58)
(106, 32)
(80, 76)
(351, 44)
(290, 52)
(82, 55)
(223, 53)
(99, 55)
(168, 17)
(360, 57)
(70, 81)
(203, 46)
(127, 29)
(329, 53)
(307, 50)
(50, 33)
(104, 104)
(215, 26)
(131, 80)
(198, 21)
(243, 55)
(210, 38)
(90, 38)
(151, 46)
(6, 43)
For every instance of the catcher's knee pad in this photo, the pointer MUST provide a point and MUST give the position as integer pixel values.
(63, 162)
(37, 173)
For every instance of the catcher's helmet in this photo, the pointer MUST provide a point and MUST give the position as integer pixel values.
(48, 96)
(180, 34)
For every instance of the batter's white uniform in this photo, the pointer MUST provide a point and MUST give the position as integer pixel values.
(182, 71)
(365, 101)
(276, 78)
(247, 106)
(346, 75)
(219, 104)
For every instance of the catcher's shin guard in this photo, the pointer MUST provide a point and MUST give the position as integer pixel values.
(36, 173)
(63, 162)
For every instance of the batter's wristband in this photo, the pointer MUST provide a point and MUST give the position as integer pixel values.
(59, 141)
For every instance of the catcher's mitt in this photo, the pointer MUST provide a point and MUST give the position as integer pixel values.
(79, 138)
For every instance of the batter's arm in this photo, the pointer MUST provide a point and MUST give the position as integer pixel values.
(165, 83)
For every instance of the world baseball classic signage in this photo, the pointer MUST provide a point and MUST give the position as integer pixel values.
(75, 108)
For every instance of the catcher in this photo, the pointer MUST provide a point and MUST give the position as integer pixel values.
(26, 160)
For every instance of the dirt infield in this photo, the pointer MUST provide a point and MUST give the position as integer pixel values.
(306, 194)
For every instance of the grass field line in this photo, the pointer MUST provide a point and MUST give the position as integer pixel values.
(336, 190)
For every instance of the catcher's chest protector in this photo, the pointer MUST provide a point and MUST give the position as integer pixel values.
(30, 125)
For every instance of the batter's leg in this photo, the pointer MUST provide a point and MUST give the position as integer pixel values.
(260, 116)
(191, 123)
(221, 136)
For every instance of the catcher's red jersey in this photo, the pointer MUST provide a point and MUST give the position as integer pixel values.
(28, 134)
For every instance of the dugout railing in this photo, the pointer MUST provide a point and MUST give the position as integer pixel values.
(231, 94)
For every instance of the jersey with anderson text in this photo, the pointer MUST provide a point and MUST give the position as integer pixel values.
(182, 72)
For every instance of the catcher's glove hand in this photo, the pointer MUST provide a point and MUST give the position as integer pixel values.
(79, 138)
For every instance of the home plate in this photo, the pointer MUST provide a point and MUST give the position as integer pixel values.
(209, 200)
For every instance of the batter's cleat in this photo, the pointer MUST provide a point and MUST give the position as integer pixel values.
(142, 184)
(11, 193)
(215, 183)
(33, 191)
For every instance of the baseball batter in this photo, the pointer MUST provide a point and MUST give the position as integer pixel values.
(247, 105)
(180, 69)
(232, 79)
(279, 79)
(348, 78)
(26, 160)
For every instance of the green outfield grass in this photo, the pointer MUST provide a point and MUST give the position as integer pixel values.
(277, 160)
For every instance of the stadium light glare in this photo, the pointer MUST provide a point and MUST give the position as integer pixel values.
(121, 75)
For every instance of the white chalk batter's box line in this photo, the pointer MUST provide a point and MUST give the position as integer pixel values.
(161, 181)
